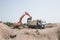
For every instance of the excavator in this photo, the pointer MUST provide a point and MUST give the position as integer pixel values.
(37, 24)
(19, 23)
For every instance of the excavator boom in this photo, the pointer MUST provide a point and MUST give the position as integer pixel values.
(20, 21)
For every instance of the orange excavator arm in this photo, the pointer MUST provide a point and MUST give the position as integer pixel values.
(20, 21)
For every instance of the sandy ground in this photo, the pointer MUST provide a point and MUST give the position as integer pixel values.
(7, 33)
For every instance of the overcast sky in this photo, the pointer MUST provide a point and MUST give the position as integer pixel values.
(46, 10)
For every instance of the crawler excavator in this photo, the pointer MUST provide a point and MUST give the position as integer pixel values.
(36, 24)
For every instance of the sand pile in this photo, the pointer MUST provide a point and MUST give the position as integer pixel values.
(5, 32)
(37, 34)
(51, 25)
(29, 34)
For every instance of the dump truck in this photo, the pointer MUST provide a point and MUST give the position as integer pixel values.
(37, 24)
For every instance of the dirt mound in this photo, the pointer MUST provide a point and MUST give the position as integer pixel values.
(51, 25)
(37, 34)
(5, 32)
(29, 34)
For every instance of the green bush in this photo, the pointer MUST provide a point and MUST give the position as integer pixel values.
(9, 24)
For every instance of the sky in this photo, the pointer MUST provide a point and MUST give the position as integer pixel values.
(46, 10)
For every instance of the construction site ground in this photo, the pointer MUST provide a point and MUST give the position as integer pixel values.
(7, 33)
